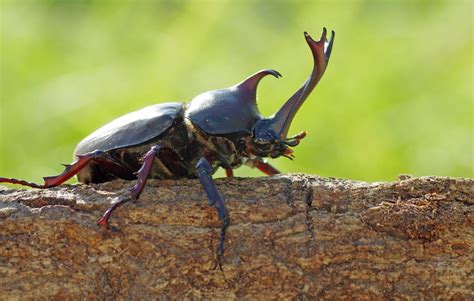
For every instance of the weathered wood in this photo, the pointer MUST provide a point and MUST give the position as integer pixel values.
(292, 236)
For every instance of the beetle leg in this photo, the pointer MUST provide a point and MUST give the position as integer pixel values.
(20, 182)
(266, 168)
(104, 220)
(229, 172)
(136, 190)
(262, 166)
(70, 171)
(142, 173)
(204, 172)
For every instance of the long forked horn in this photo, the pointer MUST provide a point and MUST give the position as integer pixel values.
(321, 51)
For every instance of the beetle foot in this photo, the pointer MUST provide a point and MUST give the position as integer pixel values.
(104, 220)
(103, 223)
(217, 263)
(220, 245)
(20, 182)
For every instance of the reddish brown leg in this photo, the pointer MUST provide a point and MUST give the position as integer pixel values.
(72, 170)
(262, 166)
(136, 190)
(142, 173)
(104, 220)
(266, 168)
(69, 172)
(20, 182)
(229, 172)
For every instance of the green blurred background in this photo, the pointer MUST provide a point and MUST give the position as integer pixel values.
(397, 96)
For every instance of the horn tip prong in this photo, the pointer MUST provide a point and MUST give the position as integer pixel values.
(272, 72)
(309, 38)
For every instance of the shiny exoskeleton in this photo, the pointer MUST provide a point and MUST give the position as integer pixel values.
(220, 128)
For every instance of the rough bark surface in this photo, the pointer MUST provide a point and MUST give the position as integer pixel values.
(292, 237)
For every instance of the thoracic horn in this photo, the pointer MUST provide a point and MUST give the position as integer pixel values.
(249, 85)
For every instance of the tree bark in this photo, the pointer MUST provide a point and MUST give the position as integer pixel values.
(292, 236)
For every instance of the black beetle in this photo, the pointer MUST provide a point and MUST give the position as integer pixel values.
(220, 128)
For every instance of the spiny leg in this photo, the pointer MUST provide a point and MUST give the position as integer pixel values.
(144, 171)
(204, 171)
(262, 166)
(136, 190)
(20, 182)
(71, 170)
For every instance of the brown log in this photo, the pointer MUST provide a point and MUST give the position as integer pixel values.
(291, 237)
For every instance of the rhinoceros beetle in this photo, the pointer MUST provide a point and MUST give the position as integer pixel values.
(220, 128)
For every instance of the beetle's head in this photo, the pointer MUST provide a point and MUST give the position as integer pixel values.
(267, 142)
(270, 134)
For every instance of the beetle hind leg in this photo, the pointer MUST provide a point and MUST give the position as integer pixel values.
(20, 182)
(99, 157)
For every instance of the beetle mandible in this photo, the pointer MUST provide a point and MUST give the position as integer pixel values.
(220, 128)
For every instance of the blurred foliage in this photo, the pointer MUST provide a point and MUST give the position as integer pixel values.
(397, 96)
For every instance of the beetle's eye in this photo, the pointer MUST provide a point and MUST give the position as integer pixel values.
(261, 141)
(263, 137)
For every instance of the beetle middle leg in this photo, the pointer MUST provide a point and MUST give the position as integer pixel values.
(229, 172)
(204, 171)
(136, 190)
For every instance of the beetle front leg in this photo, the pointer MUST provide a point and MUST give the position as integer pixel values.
(204, 171)
(263, 166)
